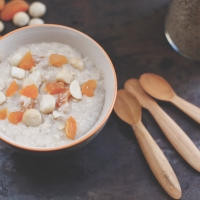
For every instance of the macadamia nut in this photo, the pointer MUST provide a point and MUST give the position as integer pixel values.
(21, 19)
(32, 117)
(1, 26)
(36, 21)
(37, 9)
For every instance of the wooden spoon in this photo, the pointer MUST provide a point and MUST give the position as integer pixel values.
(160, 89)
(177, 137)
(129, 110)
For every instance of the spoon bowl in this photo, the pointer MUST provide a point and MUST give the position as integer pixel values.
(131, 112)
(160, 89)
(157, 86)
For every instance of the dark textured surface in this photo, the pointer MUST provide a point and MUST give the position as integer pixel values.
(112, 165)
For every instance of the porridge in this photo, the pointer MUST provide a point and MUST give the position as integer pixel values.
(50, 95)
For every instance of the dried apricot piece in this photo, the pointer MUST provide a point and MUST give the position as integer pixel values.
(12, 89)
(13, 7)
(88, 88)
(71, 128)
(2, 4)
(15, 117)
(27, 61)
(30, 91)
(3, 113)
(56, 87)
(57, 60)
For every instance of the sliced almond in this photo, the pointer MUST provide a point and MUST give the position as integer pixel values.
(75, 89)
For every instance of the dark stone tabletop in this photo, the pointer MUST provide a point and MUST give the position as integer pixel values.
(112, 166)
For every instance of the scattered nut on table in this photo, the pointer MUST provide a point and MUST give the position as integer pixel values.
(1, 26)
(21, 19)
(36, 21)
(37, 9)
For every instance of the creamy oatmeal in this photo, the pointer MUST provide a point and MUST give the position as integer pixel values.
(50, 95)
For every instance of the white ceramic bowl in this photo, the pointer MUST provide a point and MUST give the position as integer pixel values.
(85, 45)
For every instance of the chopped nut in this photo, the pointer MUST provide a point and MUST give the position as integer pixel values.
(37, 77)
(2, 97)
(17, 73)
(77, 63)
(75, 89)
(64, 75)
(2, 85)
(61, 126)
(47, 104)
(15, 60)
(34, 78)
(26, 102)
(33, 69)
(27, 81)
(56, 114)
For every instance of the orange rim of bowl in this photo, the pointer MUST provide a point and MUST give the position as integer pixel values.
(85, 137)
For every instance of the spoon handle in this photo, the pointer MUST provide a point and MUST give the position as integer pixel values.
(177, 137)
(157, 161)
(188, 108)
